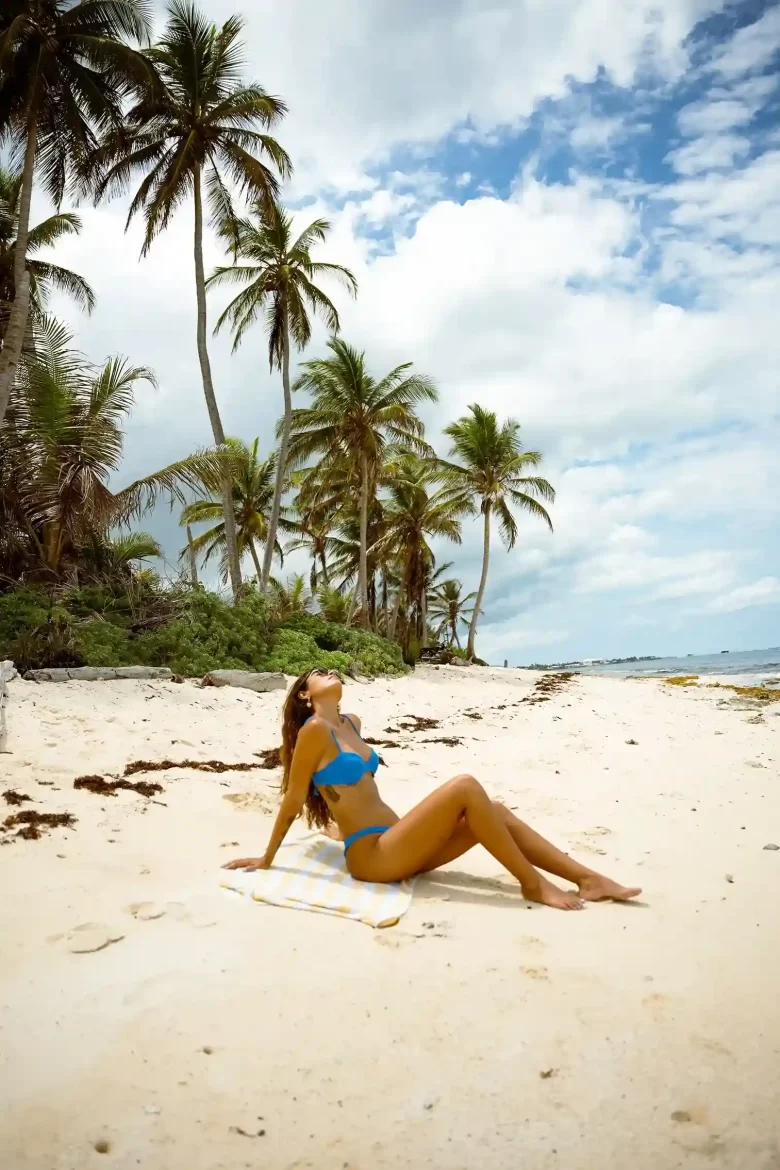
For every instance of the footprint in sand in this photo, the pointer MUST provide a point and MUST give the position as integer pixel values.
(530, 942)
(541, 974)
(251, 801)
(145, 911)
(193, 915)
(88, 938)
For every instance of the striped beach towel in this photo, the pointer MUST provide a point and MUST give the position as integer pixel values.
(311, 874)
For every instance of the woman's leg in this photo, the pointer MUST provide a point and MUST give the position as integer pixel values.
(425, 832)
(540, 852)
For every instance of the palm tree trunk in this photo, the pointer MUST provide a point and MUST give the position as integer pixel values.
(255, 558)
(455, 633)
(363, 572)
(231, 538)
(193, 559)
(323, 562)
(385, 602)
(17, 320)
(482, 582)
(396, 611)
(424, 618)
(281, 458)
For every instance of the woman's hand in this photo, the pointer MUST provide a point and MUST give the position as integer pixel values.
(250, 864)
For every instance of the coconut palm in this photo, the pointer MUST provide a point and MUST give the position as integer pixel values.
(65, 70)
(278, 274)
(352, 422)
(289, 600)
(44, 276)
(201, 124)
(492, 468)
(252, 481)
(343, 547)
(61, 440)
(334, 605)
(312, 525)
(450, 608)
(112, 558)
(412, 514)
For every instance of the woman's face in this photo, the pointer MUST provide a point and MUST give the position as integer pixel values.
(323, 684)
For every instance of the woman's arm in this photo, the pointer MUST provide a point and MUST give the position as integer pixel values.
(307, 755)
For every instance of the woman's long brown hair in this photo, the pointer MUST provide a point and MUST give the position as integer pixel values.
(294, 716)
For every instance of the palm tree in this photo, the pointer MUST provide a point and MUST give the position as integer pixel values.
(334, 605)
(353, 420)
(279, 277)
(200, 122)
(252, 481)
(450, 608)
(44, 276)
(492, 466)
(312, 525)
(111, 558)
(61, 440)
(291, 599)
(411, 515)
(65, 70)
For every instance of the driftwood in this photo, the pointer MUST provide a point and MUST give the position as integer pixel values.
(7, 672)
(97, 673)
(266, 681)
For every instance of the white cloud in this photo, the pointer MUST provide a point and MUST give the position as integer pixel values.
(592, 132)
(537, 305)
(751, 48)
(375, 74)
(717, 152)
(763, 592)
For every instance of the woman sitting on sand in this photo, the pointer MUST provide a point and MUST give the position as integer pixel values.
(327, 769)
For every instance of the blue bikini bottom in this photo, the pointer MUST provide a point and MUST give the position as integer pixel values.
(371, 831)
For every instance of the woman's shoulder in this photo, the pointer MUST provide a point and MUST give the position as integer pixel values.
(313, 728)
(354, 720)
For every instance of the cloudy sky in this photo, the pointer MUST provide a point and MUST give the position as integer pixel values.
(566, 210)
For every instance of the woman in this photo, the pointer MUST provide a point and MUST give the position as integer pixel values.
(329, 770)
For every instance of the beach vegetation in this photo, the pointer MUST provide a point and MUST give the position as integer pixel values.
(352, 481)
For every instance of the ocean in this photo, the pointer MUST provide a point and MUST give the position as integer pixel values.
(758, 665)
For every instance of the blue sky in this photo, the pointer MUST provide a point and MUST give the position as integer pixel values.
(568, 212)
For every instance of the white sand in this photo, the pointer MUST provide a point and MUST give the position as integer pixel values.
(504, 1036)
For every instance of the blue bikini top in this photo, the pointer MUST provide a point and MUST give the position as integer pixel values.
(347, 768)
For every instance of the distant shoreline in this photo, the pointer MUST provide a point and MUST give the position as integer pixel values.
(755, 663)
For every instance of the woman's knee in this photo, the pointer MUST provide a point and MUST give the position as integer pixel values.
(467, 786)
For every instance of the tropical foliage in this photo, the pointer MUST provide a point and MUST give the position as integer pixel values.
(352, 422)
(45, 276)
(492, 467)
(199, 126)
(353, 486)
(279, 277)
(65, 71)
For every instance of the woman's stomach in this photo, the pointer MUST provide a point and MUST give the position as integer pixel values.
(357, 806)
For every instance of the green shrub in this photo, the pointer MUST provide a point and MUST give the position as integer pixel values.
(21, 611)
(191, 631)
(371, 653)
(294, 652)
(210, 634)
(101, 643)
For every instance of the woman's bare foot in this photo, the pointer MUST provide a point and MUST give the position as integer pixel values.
(549, 895)
(595, 888)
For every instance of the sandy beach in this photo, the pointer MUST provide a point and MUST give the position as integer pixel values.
(481, 1031)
